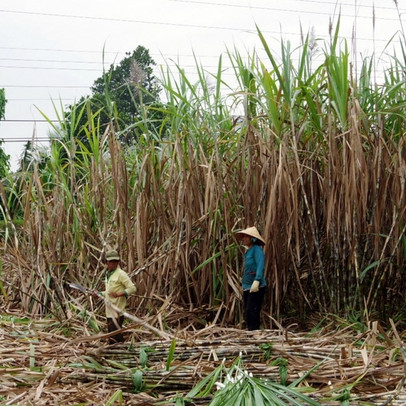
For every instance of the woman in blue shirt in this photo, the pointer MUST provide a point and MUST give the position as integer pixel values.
(253, 279)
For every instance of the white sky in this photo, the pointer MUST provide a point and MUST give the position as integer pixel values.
(53, 49)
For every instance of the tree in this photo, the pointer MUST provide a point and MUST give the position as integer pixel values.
(4, 158)
(130, 83)
(3, 102)
(119, 94)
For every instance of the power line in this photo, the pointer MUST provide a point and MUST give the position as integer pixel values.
(5, 140)
(79, 87)
(49, 68)
(165, 56)
(284, 9)
(323, 2)
(123, 20)
(29, 120)
(80, 69)
(24, 100)
(47, 60)
(194, 25)
(46, 86)
(334, 3)
(60, 50)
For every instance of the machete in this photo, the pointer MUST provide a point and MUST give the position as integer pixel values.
(82, 288)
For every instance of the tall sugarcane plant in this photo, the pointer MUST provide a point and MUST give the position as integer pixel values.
(311, 155)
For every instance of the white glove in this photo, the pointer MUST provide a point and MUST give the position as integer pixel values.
(254, 287)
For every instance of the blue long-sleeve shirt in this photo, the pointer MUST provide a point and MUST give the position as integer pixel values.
(254, 265)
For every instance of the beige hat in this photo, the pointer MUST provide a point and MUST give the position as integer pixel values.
(112, 255)
(252, 232)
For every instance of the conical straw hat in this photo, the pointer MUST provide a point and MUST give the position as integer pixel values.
(252, 232)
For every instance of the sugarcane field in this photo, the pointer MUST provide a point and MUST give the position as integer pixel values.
(169, 251)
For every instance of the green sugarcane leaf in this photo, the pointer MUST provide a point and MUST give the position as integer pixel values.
(171, 354)
(117, 397)
(143, 357)
(137, 378)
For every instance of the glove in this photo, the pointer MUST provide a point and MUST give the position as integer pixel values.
(254, 287)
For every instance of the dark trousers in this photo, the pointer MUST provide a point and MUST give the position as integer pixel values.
(252, 308)
(114, 324)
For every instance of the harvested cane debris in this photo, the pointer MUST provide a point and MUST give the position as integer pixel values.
(40, 365)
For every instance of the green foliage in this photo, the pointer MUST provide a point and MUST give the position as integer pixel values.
(344, 397)
(86, 316)
(117, 397)
(130, 83)
(267, 348)
(31, 157)
(137, 379)
(143, 356)
(121, 97)
(283, 370)
(337, 68)
(4, 161)
(14, 320)
(3, 102)
(235, 386)
(171, 354)
(4, 158)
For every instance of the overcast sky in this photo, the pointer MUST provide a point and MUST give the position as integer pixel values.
(53, 49)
